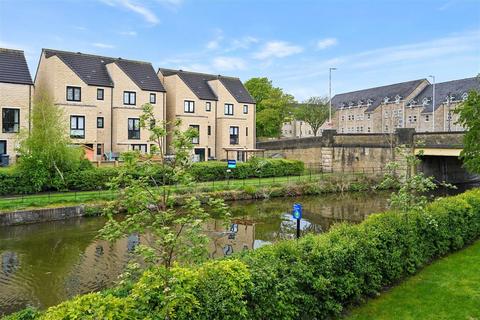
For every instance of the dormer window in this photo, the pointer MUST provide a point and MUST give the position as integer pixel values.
(350, 104)
(452, 98)
(464, 96)
(425, 101)
(359, 103)
(397, 98)
(369, 102)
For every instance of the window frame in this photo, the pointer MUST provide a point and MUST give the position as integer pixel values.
(77, 128)
(102, 95)
(195, 140)
(74, 88)
(227, 110)
(190, 108)
(103, 123)
(245, 109)
(234, 138)
(14, 123)
(209, 130)
(139, 147)
(128, 102)
(154, 96)
(208, 106)
(3, 142)
(131, 133)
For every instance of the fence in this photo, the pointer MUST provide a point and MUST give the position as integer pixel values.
(312, 172)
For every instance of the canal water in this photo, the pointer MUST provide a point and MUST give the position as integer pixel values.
(43, 264)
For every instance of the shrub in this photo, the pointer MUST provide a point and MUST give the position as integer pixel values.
(315, 277)
(217, 170)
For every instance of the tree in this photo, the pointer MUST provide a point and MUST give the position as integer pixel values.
(314, 112)
(469, 118)
(168, 235)
(273, 106)
(47, 153)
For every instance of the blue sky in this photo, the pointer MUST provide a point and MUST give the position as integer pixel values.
(291, 42)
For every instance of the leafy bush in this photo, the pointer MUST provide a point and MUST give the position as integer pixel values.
(217, 170)
(315, 277)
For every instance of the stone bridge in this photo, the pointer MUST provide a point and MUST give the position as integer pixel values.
(372, 151)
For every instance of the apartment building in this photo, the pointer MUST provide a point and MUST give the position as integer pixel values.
(102, 99)
(16, 88)
(219, 107)
(375, 110)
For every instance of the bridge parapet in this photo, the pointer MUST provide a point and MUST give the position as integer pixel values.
(441, 140)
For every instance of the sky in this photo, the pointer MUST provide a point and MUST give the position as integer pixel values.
(293, 43)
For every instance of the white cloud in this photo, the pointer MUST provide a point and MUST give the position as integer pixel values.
(171, 3)
(81, 28)
(228, 63)
(128, 33)
(277, 49)
(242, 43)
(214, 44)
(147, 14)
(325, 43)
(103, 45)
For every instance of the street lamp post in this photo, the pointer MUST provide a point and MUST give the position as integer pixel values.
(433, 103)
(330, 94)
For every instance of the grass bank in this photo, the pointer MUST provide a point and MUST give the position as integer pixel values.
(447, 289)
(235, 189)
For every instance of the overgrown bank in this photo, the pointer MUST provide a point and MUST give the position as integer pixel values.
(316, 277)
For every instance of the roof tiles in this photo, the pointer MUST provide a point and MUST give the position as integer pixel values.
(13, 67)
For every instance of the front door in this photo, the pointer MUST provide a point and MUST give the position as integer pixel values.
(200, 153)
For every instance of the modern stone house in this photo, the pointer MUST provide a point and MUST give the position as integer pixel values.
(16, 88)
(102, 98)
(219, 107)
(401, 105)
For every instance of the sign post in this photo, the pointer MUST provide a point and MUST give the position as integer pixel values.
(232, 164)
(297, 215)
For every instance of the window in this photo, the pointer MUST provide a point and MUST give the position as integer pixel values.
(134, 128)
(245, 109)
(368, 116)
(209, 130)
(196, 140)
(99, 149)
(233, 135)
(209, 153)
(3, 146)
(189, 106)
(100, 123)
(140, 147)
(246, 131)
(368, 129)
(208, 106)
(343, 117)
(77, 127)
(153, 98)
(74, 94)
(228, 109)
(10, 120)
(427, 118)
(100, 93)
(129, 98)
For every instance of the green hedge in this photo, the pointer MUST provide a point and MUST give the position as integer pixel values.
(217, 170)
(12, 182)
(313, 278)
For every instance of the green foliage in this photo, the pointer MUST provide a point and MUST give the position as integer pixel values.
(469, 117)
(272, 106)
(47, 153)
(314, 111)
(145, 199)
(412, 188)
(26, 314)
(316, 277)
(254, 168)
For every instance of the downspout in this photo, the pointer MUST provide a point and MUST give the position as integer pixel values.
(29, 109)
(111, 120)
(165, 122)
(216, 130)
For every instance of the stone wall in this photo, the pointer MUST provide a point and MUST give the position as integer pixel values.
(40, 215)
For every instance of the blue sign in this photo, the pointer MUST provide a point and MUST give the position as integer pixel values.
(297, 211)
(232, 164)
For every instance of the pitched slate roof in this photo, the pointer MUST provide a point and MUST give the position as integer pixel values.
(13, 67)
(93, 71)
(198, 83)
(375, 96)
(453, 89)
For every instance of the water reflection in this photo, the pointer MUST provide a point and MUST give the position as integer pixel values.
(44, 264)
